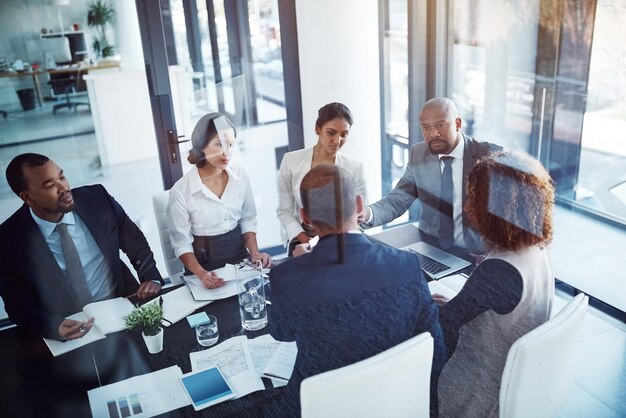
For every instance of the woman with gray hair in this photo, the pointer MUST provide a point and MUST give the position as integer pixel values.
(211, 211)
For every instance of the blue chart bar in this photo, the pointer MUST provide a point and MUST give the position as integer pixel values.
(112, 405)
(123, 404)
(134, 403)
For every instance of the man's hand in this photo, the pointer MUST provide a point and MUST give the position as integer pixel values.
(148, 290)
(210, 280)
(266, 260)
(440, 300)
(364, 215)
(301, 249)
(70, 329)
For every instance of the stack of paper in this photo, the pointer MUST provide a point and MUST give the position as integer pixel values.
(228, 273)
(140, 396)
(177, 304)
(243, 362)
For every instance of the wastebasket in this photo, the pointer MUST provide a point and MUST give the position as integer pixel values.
(27, 98)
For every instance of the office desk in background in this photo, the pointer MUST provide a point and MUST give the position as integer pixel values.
(77, 70)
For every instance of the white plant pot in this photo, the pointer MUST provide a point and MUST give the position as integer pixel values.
(154, 343)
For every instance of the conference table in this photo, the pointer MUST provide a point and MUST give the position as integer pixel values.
(36, 384)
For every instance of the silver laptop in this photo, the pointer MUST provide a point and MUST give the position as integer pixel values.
(435, 262)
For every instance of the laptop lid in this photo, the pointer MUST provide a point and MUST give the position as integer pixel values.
(435, 262)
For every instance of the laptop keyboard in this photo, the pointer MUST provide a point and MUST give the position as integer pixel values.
(430, 265)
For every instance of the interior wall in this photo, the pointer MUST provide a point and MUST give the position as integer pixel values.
(339, 62)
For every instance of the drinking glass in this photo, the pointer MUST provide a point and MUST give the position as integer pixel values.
(207, 334)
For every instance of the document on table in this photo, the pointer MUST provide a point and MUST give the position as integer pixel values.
(109, 317)
(177, 304)
(228, 273)
(140, 396)
(280, 365)
(436, 287)
(234, 360)
(454, 282)
(262, 349)
(273, 359)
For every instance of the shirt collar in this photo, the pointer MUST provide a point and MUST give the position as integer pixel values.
(47, 228)
(196, 185)
(457, 152)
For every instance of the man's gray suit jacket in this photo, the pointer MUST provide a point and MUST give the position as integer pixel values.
(422, 179)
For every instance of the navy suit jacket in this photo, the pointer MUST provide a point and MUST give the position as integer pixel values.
(343, 313)
(36, 293)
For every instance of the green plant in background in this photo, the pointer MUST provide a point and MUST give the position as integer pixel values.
(146, 318)
(100, 14)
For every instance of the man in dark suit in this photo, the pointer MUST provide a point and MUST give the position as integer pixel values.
(424, 174)
(348, 299)
(42, 279)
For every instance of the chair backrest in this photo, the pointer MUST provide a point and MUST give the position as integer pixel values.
(539, 370)
(159, 203)
(394, 383)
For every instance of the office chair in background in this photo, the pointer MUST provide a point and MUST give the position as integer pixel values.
(66, 84)
(62, 82)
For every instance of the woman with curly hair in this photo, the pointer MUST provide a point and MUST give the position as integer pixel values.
(509, 202)
(211, 211)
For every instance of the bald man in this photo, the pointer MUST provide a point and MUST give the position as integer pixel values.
(424, 176)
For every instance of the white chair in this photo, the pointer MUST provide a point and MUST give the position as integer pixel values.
(394, 383)
(172, 263)
(539, 370)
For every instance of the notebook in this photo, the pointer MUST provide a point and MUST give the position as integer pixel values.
(435, 262)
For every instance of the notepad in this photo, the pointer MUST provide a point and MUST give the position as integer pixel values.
(109, 315)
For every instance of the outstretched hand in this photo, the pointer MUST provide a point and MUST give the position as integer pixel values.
(70, 329)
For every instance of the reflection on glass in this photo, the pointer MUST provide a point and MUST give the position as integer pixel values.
(267, 60)
(494, 58)
(224, 54)
(44, 107)
(602, 176)
(396, 100)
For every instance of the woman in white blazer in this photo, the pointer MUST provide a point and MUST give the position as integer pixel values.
(332, 127)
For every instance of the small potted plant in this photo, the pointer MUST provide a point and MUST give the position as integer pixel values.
(147, 319)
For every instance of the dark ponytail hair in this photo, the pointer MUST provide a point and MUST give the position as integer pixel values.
(202, 134)
(332, 111)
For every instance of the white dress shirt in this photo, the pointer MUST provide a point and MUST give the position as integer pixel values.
(457, 184)
(97, 272)
(193, 209)
(293, 168)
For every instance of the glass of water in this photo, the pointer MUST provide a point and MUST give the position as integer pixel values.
(251, 293)
(207, 334)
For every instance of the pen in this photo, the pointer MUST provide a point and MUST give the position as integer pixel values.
(163, 318)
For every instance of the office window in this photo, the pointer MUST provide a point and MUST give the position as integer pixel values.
(541, 76)
(493, 68)
(396, 94)
(602, 176)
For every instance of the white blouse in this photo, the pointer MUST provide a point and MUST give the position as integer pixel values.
(293, 168)
(193, 209)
